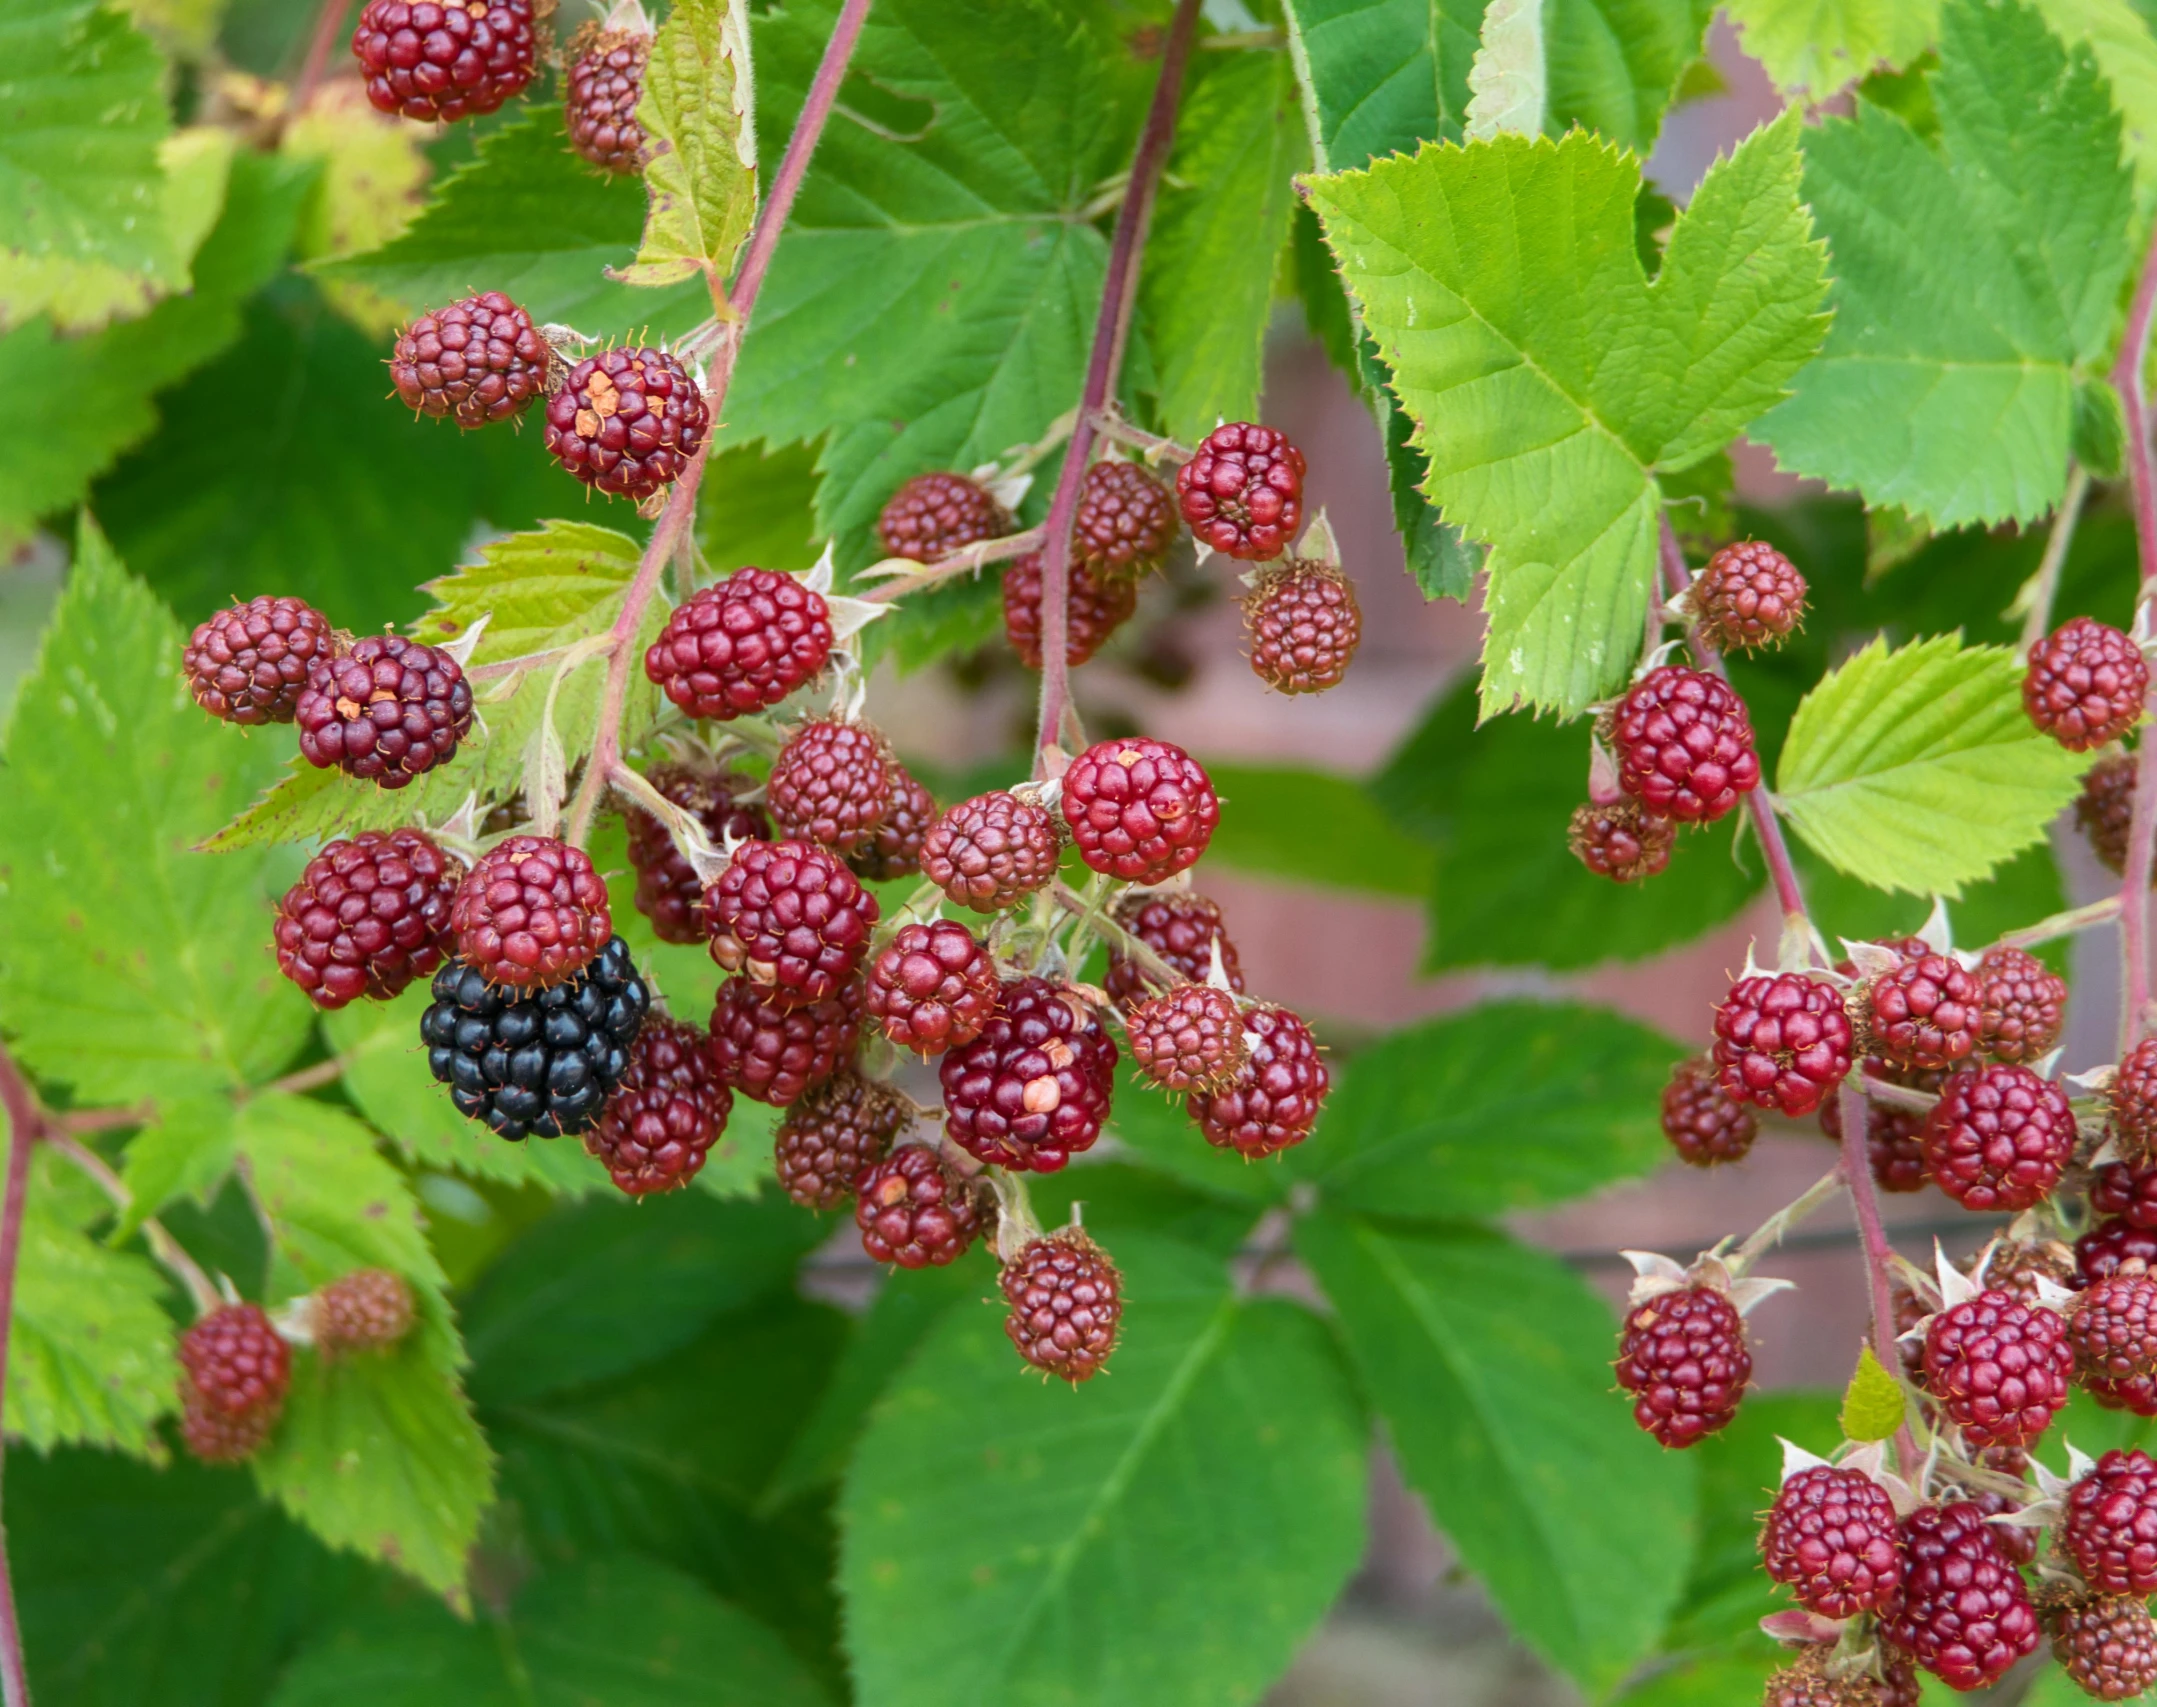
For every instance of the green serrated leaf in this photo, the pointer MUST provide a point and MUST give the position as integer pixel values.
(759, 507)
(2100, 429)
(90, 1357)
(332, 1203)
(130, 967)
(1550, 379)
(1873, 1404)
(80, 178)
(1574, 1089)
(1380, 78)
(1614, 66)
(526, 217)
(1918, 770)
(185, 1152)
(1491, 1366)
(698, 115)
(1206, 1505)
(1947, 385)
(2118, 32)
(1815, 47)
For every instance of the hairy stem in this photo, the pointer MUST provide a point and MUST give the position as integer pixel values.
(1766, 825)
(677, 519)
(963, 561)
(2037, 619)
(1872, 1233)
(26, 1125)
(1112, 328)
(1770, 1232)
(2142, 482)
(2070, 923)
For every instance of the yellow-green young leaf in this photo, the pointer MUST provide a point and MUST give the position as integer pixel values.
(2127, 54)
(698, 112)
(1918, 770)
(1873, 1403)
(1815, 47)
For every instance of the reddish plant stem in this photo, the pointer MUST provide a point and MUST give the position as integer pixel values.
(1872, 1234)
(329, 25)
(1766, 825)
(2142, 482)
(26, 1125)
(676, 520)
(1112, 328)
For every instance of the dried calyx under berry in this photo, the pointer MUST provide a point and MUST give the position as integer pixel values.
(669, 892)
(1302, 626)
(742, 645)
(1622, 840)
(627, 421)
(427, 60)
(665, 1115)
(932, 515)
(1066, 1301)
(1095, 606)
(1242, 491)
(833, 1135)
(367, 917)
(249, 664)
(385, 711)
(475, 361)
(600, 93)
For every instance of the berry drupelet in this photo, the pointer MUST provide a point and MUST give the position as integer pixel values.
(666, 1114)
(1125, 521)
(831, 784)
(1998, 1367)
(249, 664)
(1188, 1040)
(426, 61)
(742, 645)
(1831, 1537)
(364, 1311)
(2021, 1004)
(1242, 491)
(476, 361)
(2105, 808)
(2107, 1645)
(386, 711)
(1999, 1138)
(627, 421)
(2113, 1326)
(2108, 1524)
(1964, 1615)
(2134, 1102)
(367, 917)
(1273, 1100)
(1066, 1299)
(1032, 1089)
(893, 849)
(932, 988)
(2085, 684)
(1922, 1013)
(234, 1371)
(531, 912)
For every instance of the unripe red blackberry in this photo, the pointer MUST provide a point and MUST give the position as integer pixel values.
(741, 646)
(1831, 1536)
(1749, 595)
(234, 1370)
(387, 711)
(1188, 1040)
(666, 1114)
(932, 988)
(2085, 684)
(932, 515)
(1139, 809)
(1302, 626)
(2128, 1192)
(1808, 1683)
(425, 60)
(1274, 1099)
(531, 912)
(2108, 1524)
(1683, 1357)
(367, 917)
(2018, 1266)
(990, 852)
(668, 890)
(1066, 1299)
(1684, 744)
(1125, 521)
(1032, 1090)
(792, 917)
(2109, 1245)
(627, 421)
(476, 361)
(893, 849)
(600, 93)
(833, 1135)
(1922, 1012)
(2113, 1327)
(1900, 1685)
(774, 1053)
(2020, 1005)
(2134, 1102)
(1095, 606)
(364, 1311)
(1622, 840)
(1182, 929)
(248, 664)
(2105, 808)
(914, 1211)
(1242, 492)
(1999, 1138)
(1964, 1616)
(1999, 1367)
(1703, 1123)
(1782, 1042)
(831, 784)
(2107, 1645)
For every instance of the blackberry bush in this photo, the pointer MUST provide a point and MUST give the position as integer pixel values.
(1096, 606)
(669, 892)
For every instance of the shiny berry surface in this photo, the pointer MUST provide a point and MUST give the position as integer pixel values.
(1750, 595)
(475, 361)
(427, 61)
(1066, 1301)
(1302, 627)
(2021, 1005)
(668, 1111)
(741, 645)
(367, 917)
(1188, 1040)
(1125, 521)
(386, 711)
(2109, 1524)
(1274, 1098)
(792, 918)
(2085, 684)
(1999, 1138)
(249, 663)
(1922, 1013)
(2107, 1646)
(932, 987)
(627, 421)
(990, 852)
(531, 912)
(1033, 1088)
(831, 784)
(599, 98)
(1683, 1357)
(1782, 1042)
(1684, 745)
(932, 515)
(774, 1052)
(1999, 1368)
(1964, 1615)
(2113, 1327)
(1139, 809)
(914, 1211)
(1831, 1537)
(1242, 493)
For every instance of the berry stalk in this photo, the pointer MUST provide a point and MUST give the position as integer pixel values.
(2037, 618)
(2070, 923)
(328, 33)
(1119, 292)
(1872, 1234)
(2142, 482)
(26, 1124)
(171, 1255)
(1762, 807)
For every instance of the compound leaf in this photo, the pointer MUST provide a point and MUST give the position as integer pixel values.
(696, 111)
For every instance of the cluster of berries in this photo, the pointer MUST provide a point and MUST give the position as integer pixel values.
(1678, 748)
(2086, 686)
(236, 1364)
(1240, 493)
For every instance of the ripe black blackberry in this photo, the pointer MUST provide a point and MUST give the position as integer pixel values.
(1622, 840)
(833, 1135)
(363, 1311)
(1749, 595)
(932, 988)
(1274, 1098)
(792, 917)
(476, 361)
(627, 421)
(831, 784)
(932, 515)
(1704, 1123)
(1188, 1040)
(541, 1063)
(1095, 606)
(893, 849)
(367, 917)
(774, 1052)
(1180, 927)
(1125, 521)
(741, 645)
(914, 1211)
(666, 1114)
(386, 711)
(1242, 491)
(428, 61)
(1302, 626)
(1066, 1300)
(248, 664)
(600, 93)
(668, 890)
(531, 911)
(990, 852)
(2086, 684)
(1032, 1090)
(234, 1370)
